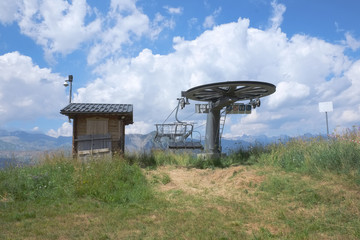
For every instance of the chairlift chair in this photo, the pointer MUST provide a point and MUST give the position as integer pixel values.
(178, 132)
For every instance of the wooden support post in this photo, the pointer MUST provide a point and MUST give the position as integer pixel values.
(74, 143)
(121, 136)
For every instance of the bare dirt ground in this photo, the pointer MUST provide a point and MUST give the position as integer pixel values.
(227, 183)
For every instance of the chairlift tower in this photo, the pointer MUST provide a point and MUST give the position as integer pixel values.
(224, 94)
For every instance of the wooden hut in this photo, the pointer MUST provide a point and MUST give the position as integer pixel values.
(98, 128)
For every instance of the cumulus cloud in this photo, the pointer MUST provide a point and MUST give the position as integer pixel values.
(124, 24)
(65, 130)
(306, 70)
(289, 92)
(61, 27)
(58, 26)
(28, 91)
(139, 127)
(9, 11)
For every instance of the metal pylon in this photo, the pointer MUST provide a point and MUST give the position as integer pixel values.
(220, 95)
(222, 124)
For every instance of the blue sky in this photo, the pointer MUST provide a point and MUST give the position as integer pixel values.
(146, 52)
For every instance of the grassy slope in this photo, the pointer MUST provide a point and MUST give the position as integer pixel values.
(287, 193)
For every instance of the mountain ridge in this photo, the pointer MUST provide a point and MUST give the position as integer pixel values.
(25, 144)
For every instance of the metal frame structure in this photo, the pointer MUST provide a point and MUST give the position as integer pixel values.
(220, 95)
(177, 132)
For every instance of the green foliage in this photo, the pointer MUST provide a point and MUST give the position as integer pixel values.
(160, 158)
(108, 180)
(274, 197)
(142, 159)
(48, 181)
(161, 178)
(111, 180)
(278, 186)
(316, 157)
(184, 159)
(247, 156)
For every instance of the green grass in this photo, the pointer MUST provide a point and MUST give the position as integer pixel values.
(316, 157)
(298, 190)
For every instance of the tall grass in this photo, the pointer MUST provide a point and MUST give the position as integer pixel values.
(316, 156)
(312, 156)
(62, 198)
(161, 158)
(58, 178)
(121, 179)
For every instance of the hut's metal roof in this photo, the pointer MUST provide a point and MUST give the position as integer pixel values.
(74, 109)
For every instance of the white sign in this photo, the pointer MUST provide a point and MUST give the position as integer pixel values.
(325, 107)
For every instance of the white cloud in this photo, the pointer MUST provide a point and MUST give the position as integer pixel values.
(28, 91)
(9, 10)
(124, 24)
(306, 70)
(158, 24)
(173, 10)
(353, 43)
(277, 15)
(300, 68)
(61, 27)
(350, 115)
(139, 127)
(58, 26)
(288, 92)
(65, 130)
(209, 21)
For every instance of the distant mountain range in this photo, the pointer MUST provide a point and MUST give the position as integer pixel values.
(25, 141)
(25, 145)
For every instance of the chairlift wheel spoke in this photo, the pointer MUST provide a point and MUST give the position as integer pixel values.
(243, 90)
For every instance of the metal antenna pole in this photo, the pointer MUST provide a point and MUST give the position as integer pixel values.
(327, 124)
(70, 81)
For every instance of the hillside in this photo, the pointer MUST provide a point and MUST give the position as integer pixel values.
(113, 200)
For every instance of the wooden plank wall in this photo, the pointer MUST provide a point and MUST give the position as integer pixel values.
(116, 129)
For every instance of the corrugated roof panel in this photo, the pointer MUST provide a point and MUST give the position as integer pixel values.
(73, 108)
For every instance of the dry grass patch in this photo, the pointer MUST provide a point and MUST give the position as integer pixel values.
(226, 183)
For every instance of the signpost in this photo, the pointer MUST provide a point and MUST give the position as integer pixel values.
(326, 107)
